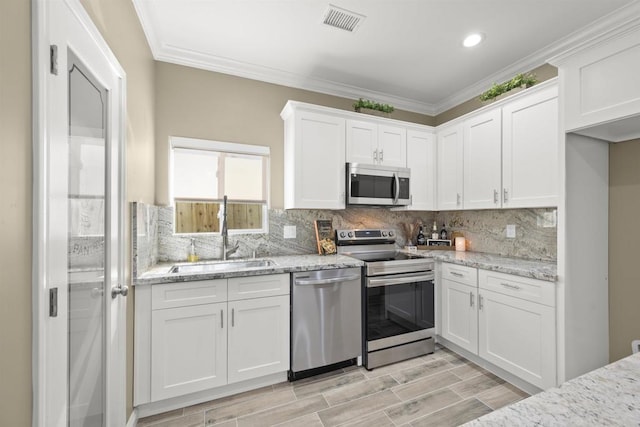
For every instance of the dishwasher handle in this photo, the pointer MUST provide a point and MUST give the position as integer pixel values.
(329, 281)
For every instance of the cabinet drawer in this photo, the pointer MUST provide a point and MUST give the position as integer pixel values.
(258, 286)
(538, 291)
(188, 293)
(460, 273)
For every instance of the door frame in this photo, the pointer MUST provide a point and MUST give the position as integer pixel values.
(40, 286)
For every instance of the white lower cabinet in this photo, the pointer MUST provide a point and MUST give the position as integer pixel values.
(188, 350)
(201, 335)
(258, 337)
(506, 320)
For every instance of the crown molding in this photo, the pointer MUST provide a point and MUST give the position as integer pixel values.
(197, 59)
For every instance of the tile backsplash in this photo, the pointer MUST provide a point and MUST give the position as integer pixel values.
(485, 230)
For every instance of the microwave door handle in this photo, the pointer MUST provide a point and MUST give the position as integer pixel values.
(397, 187)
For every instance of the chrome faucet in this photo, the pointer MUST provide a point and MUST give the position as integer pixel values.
(225, 233)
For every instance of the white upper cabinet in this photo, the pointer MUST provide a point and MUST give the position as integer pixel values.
(601, 87)
(314, 160)
(421, 159)
(450, 167)
(530, 150)
(376, 144)
(503, 156)
(482, 161)
(319, 141)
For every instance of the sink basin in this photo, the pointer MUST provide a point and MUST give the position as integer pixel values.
(220, 266)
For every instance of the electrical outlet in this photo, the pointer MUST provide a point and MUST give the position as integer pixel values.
(511, 231)
(289, 231)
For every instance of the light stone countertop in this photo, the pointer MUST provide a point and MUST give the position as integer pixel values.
(293, 263)
(542, 270)
(608, 396)
(282, 264)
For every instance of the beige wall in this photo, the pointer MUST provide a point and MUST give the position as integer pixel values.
(624, 237)
(543, 72)
(119, 25)
(202, 104)
(15, 213)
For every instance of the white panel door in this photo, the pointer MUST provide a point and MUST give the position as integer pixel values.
(459, 314)
(518, 336)
(450, 168)
(362, 142)
(392, 146)
(258, 337)
(78, 240)
(530, 151)
(482, 161)
(318, 179)
(188, 350)
(421, 159)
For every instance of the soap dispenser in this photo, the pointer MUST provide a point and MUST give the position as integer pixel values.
(192, 257)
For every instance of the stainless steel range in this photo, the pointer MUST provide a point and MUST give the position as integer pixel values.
(398, 297)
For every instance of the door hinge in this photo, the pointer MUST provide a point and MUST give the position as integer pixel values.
(53, 302)
(53, 59)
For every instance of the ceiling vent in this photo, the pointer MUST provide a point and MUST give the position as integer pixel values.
(341, 18)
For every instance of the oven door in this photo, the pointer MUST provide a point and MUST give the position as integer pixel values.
(400, 309)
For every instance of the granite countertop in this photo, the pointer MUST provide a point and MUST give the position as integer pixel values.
(159, 273)
(293, 263)
(542, 270)
(608, 396)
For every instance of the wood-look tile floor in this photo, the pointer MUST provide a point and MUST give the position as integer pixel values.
(440, 389)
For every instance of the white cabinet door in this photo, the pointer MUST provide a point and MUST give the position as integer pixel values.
(314, 161)
(421, 159)
(482, 160)
(392, 146)
(258, 337)
(459, 314)
(450, 168)
(362, 142)
(371, 143)
(188, 349)
(518, 336)
(530, 150)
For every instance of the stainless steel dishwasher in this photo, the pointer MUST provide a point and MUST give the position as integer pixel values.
(326, 320)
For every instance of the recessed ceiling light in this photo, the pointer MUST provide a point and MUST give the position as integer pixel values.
(472, 39)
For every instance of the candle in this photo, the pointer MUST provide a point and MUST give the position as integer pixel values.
(461, 244)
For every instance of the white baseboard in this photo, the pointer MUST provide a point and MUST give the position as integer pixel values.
(133, 419)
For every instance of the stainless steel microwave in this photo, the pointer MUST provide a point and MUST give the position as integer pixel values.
(376, 185)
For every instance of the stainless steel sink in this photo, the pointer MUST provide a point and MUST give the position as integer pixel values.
(220, 266)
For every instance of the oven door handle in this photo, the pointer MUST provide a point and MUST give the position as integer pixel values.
(391, 281)
(326, 281)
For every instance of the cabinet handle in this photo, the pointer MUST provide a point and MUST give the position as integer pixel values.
(505, 196)
(510, 286)
(233, 317)
(375, 156)
(480, 305)
(495, 196)
(458, 199)
(342, 197)
(381, 155)
(471, 299)
(455, 273)
(221, 319)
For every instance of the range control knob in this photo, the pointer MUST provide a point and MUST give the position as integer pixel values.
(390, 233)
(350, 234)
(384, 234)
(342, 234)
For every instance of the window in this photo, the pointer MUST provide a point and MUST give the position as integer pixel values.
(202, 172)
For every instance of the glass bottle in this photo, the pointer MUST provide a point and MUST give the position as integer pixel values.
(420, 240)
(443, 233)
(434, 231)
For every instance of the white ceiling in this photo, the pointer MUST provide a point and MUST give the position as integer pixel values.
(405, 52)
